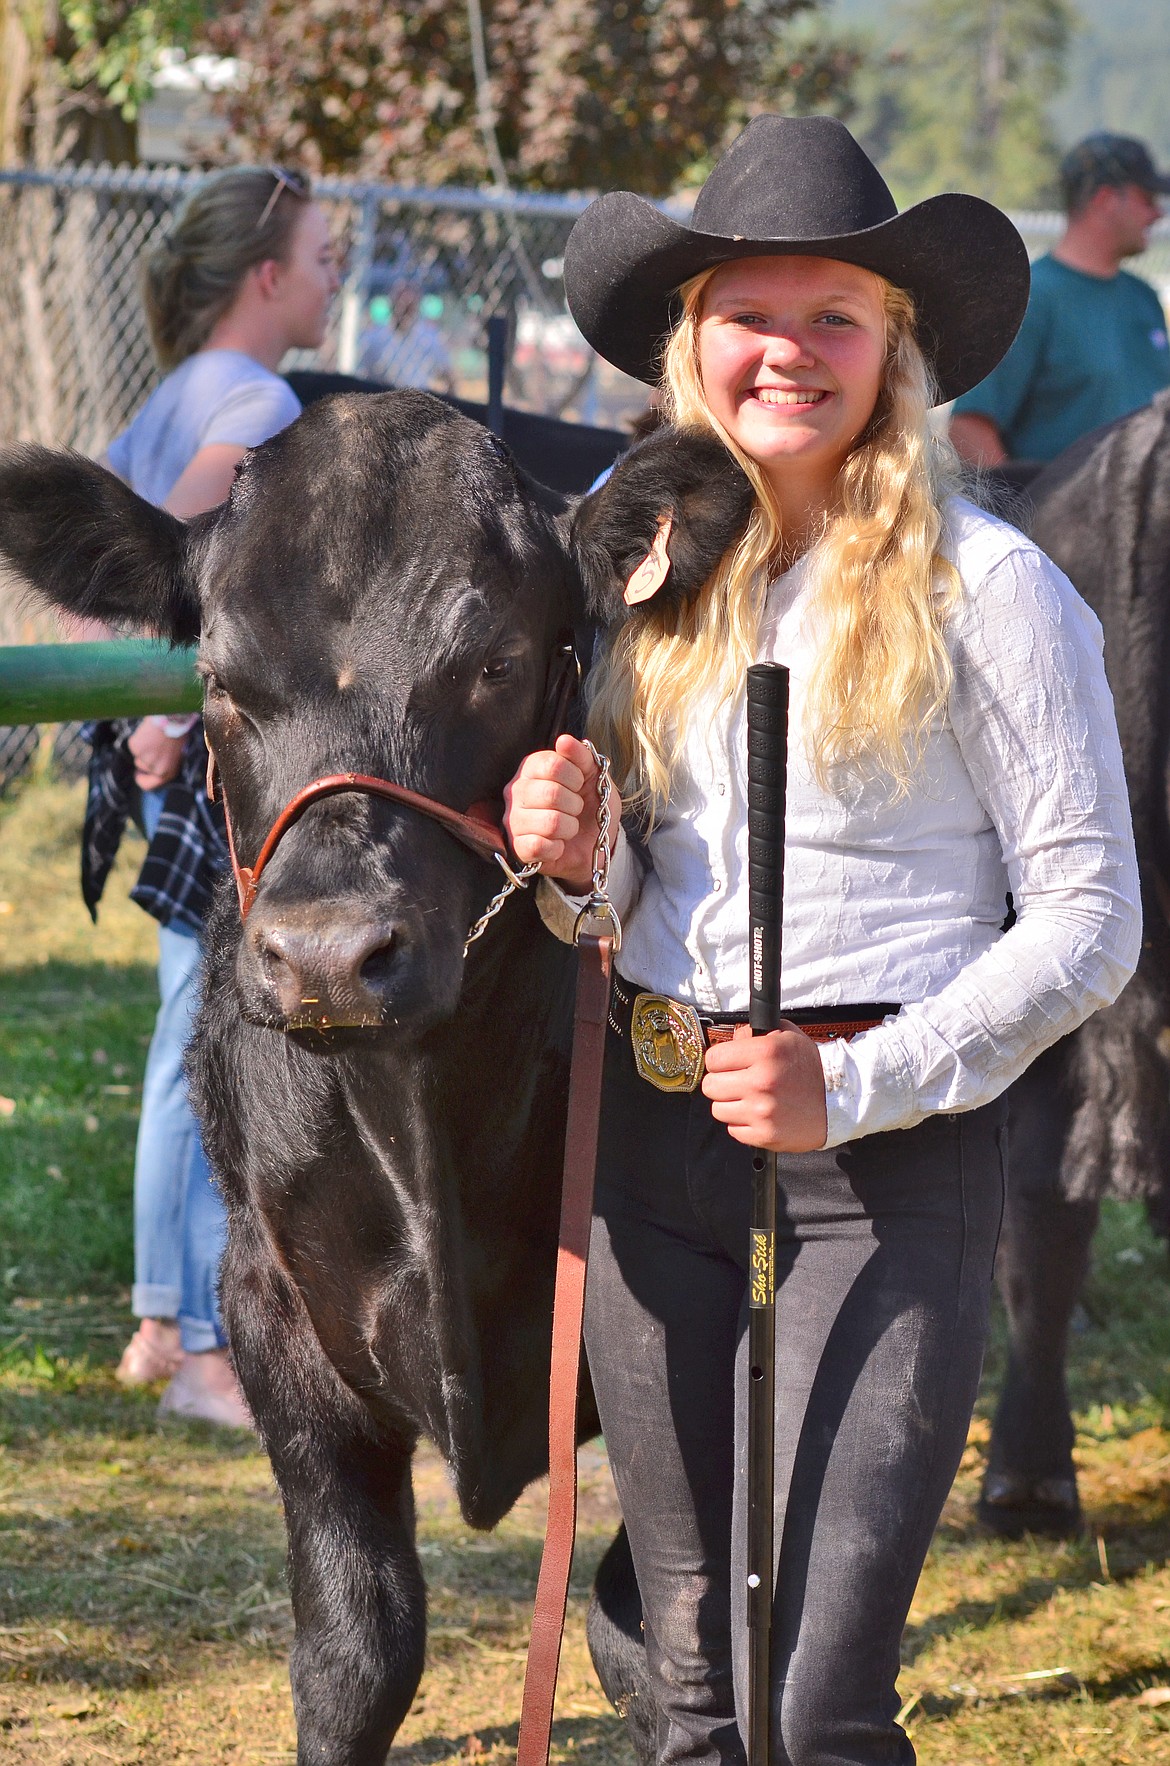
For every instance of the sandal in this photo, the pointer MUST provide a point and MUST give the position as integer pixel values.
(205, 1387)
(151, 1355)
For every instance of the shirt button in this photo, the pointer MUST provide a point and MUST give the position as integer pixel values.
(721, 788)
(717, 886)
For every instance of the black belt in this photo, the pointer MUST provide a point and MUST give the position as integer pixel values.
(670, 1038)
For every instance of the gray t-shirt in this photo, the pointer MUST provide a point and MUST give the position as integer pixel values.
(214, 396)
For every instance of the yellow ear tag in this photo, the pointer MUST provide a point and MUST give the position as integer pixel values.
(654, 568)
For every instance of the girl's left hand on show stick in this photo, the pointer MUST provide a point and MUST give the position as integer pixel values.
(769, 1090)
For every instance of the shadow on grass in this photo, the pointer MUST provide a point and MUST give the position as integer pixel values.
(1098, 1690)
(1130, 1551)
(83, 1672)
(68, 1580)
(592, 1740)
(1029, 1596)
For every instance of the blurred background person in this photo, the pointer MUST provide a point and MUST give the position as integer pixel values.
(1093, 344)
(246, 273)
(403, 345)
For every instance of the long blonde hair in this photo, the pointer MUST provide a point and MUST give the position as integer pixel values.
(884, 593)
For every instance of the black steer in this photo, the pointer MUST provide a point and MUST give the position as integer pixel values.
(383, 593)
(1092, 1116)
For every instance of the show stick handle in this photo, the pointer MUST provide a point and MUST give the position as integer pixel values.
(767, 721)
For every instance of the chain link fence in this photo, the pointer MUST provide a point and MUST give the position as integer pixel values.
(424, 270)
(60, 748)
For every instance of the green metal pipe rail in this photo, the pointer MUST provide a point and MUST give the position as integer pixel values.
(70, 683)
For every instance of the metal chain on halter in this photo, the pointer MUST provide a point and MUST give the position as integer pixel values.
(598, 916)
(597, 908)
(516, 880)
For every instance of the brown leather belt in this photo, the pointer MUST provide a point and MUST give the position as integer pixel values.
(668, 1038)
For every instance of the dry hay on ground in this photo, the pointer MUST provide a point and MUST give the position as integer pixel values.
(143, 1612)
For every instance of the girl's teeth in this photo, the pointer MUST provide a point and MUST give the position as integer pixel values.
(772, 396)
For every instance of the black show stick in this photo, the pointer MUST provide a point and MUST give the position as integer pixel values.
(767, 724)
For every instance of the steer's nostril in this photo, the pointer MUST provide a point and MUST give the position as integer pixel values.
(271, 956)
(375, 968)
(329, 971)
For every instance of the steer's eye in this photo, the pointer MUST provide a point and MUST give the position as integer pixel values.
(218, 702)
(498, 669)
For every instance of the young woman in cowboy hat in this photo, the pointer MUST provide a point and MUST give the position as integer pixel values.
(952, 739)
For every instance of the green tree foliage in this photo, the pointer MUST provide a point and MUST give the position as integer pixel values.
(112, 46)
(628, 94)
(74, 72)
(1119, 69)
(961, 102)
(582, 93)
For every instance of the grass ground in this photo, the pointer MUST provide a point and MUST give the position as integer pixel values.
(143, 1613)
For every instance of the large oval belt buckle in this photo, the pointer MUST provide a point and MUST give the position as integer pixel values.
(668, 1042)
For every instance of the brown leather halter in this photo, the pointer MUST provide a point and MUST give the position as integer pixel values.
(478, 828)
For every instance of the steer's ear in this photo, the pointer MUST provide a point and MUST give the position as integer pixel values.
(82, 539)
(627, 554)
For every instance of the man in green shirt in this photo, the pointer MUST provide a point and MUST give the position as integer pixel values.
(1093, 345)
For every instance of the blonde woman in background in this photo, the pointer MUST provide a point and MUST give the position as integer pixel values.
(952, 738)
(245, 273)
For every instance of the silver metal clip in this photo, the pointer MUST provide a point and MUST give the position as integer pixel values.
(598, 919)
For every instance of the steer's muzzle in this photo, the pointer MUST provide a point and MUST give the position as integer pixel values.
(326, 966)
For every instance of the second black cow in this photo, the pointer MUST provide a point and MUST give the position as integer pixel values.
(1092, 1116)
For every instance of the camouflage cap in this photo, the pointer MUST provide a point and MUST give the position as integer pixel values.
(1102, 160)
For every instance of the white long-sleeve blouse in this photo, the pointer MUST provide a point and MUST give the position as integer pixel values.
(902, 899)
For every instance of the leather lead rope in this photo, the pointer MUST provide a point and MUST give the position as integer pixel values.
(597, 935)
(594, 969)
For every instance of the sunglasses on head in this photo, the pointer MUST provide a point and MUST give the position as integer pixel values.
(294, 182)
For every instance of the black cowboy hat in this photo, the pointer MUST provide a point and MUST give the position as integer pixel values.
(801, 186)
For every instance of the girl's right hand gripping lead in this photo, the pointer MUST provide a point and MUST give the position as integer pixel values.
(550, 812)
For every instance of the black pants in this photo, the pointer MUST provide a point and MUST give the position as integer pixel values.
(883, 1266)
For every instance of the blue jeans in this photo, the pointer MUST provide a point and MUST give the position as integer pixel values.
(179, 1219)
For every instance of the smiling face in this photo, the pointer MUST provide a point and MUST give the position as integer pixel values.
(791, 352)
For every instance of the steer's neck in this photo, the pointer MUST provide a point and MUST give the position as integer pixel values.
(501, 1055)
(502, 1073)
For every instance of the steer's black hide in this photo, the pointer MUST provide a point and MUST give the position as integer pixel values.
(566, 456)
(383, 593)
(1091, 1115)
(1102, 511)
